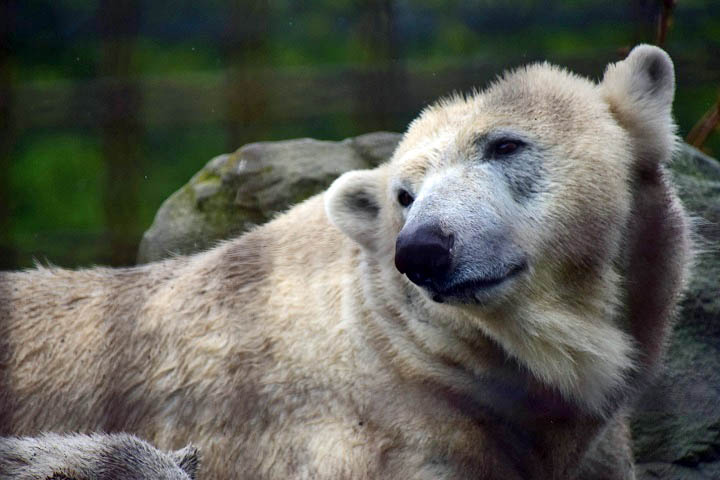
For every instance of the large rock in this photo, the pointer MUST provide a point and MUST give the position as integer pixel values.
(676, 425)
(234, 192)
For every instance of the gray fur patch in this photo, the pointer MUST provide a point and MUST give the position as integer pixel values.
(187, 459)
(7, 399)
(523, 170)
(361, 201)
(524, 177)
(246, 263)
(92, 457)
(120, 322)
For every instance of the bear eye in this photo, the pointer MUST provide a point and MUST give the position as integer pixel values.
(505, 147)
(404, 198)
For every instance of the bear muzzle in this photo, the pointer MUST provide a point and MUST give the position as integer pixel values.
(428, 257)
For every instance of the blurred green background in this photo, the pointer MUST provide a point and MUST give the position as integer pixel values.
(108, 107)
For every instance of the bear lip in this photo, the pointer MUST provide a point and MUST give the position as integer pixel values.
(481, 283)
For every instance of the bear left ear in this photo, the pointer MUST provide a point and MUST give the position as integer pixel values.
(639, 91)
(353, 204)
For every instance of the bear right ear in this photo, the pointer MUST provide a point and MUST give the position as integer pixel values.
(187, 460)
(353, 204)
(639, 91)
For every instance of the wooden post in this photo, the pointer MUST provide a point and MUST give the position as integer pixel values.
(380, 86)
(245, 42)
(8, 257)
(122, 133)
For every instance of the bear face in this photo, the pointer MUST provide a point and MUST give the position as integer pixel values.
(491, 193)
(507, 187)
(509, 211)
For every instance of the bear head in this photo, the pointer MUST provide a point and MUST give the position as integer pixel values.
(503, 205)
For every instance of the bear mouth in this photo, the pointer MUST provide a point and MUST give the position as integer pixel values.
(469, 288)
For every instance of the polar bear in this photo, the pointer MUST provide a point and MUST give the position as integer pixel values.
(92, 457)
(485, 305)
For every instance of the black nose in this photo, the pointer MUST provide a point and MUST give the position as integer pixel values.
(424, 254)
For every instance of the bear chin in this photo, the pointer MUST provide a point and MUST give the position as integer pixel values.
(482, 291)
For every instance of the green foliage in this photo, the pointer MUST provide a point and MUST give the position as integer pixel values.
(154, 57)
(688, 102)
(184, 56)
(56, 183)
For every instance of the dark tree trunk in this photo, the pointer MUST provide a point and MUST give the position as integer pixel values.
(380, 88)
(122, 132)
(8, 256)
(245, 46)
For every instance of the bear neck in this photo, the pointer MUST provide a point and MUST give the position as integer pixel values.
(541, 358)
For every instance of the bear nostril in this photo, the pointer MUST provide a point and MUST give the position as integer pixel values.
(424, 254)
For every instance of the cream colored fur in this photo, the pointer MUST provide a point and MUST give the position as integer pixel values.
(299, 351)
